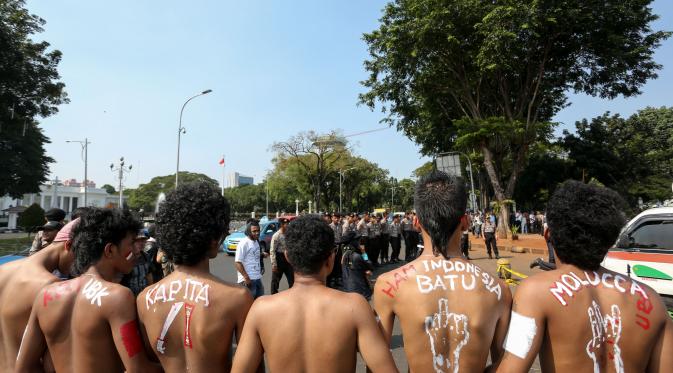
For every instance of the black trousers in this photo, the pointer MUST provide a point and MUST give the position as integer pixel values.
(284, 268)
(334, 278)
(385, 241)
(408, 250)
(413, 242)
(395, 242)
(491, 243)
(375, 244)
(465, 245)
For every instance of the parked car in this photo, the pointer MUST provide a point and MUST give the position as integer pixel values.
(644, 251)
(16, 256)
(266, 231)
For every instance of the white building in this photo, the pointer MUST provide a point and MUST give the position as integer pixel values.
(67, 198)
(235, 179)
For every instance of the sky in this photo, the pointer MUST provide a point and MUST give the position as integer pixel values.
(276, 68)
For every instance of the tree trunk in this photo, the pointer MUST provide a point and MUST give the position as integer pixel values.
(503, 223)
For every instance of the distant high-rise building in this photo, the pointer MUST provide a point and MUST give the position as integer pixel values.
(235, 179)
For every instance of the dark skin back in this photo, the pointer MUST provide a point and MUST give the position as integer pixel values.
(311, 328)
(452, 314)
(610, 323)
(89, 324)
(215, 313)
(20, 282)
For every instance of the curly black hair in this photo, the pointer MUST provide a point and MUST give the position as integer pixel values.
(310, 241)
(190, 218)
(97, 228)
(440, 201)
(584, 221)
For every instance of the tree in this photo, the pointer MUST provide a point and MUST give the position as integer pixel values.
(632, 155)
(314, 154)
(109, 189)
(145, 196)
(488, 77)
(29, 88)
(247, 198)
(31, 217)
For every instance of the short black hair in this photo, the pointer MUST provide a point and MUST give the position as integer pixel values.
(76, 213)
(584, 222)
(310, 241)
(97, 227)
(54, 214)
(248, 226)
(440, 201)
(189, 219)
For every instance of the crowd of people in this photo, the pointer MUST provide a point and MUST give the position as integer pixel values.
(454, 315)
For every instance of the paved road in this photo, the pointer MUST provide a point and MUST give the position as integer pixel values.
(223, 267)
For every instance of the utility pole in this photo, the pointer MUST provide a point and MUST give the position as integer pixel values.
(53, 194)
(121, 169)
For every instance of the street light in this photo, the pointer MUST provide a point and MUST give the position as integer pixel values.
(392, 195)
(182, 130)
(296, 211)
(122, 169)
(85, 149)
(445, 162)
(341, 176)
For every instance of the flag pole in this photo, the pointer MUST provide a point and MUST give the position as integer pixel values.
(223, 164)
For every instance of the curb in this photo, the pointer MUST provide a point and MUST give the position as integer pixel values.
(514, 249)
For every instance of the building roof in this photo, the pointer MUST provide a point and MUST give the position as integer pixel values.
(18, 209)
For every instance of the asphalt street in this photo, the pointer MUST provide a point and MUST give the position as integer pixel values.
(223, 267)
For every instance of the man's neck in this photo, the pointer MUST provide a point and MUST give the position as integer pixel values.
(48, 257)
(105, 272)
(304, 281)
(454, 245)
(201, 268)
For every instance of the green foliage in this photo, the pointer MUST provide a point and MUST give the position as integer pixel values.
(425, 169)
(109, 189)
(248, 198)
(145, 196)
(31, 217)
(490, 75)
(632, 156)
(29, 88)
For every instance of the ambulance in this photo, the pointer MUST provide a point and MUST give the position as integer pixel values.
(644, 251)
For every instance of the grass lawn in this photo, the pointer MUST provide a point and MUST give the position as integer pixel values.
(12, 245)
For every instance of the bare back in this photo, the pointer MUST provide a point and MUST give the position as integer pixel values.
(312, 329)
(20, 281)
(590, 321)
(451, 312)
(190, 321)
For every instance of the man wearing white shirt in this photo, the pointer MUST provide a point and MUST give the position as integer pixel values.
(248, 261)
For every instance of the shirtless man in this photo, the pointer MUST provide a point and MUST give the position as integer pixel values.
(89, 323)
(189, 317)
(310, 327)
(20, 281)
(451, 311)
(582, 317)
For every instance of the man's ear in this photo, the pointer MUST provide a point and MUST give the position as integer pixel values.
(68, 245)
(107, 251)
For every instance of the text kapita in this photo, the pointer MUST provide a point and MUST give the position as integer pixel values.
(188, 289)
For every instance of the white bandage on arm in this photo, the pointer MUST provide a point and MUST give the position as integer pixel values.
(522, 330)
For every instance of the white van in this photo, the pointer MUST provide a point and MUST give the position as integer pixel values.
(644, 251)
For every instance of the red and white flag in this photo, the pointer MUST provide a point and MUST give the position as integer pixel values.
(221, 161)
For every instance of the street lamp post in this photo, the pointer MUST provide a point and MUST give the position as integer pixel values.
(267, 193)
(121, 169)
(341, 176)
(181, 130)
(296, 211)
(392, 195)
(85, 149)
